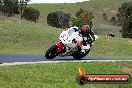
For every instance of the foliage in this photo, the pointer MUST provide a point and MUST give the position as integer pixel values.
(58, 19)
(83, 17)
(77, 21)
(125, 18)
(9, 7)
(21, 36)
(30, 14)
(105, 16)
(113, 20)
(22, 5)
(78, 13)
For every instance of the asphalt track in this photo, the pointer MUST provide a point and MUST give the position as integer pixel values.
(12, 58)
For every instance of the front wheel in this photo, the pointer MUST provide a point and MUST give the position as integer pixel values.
(85, 54)
(51, 52)
(78, 55)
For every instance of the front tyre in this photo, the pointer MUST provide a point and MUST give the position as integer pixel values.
(78, 55)
(85, 54)
(51, 52)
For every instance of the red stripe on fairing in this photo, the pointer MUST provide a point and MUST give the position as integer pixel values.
(60, 46)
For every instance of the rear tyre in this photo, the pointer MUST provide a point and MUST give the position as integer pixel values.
(51, 52)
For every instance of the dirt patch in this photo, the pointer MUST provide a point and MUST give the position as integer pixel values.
(130, 41)
(127, 70)
(107, 26)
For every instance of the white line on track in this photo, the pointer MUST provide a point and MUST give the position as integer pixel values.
(24, 63)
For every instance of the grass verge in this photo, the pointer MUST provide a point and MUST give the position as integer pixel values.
(19, 36)
(60, 75)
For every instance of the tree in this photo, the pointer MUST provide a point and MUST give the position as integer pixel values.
(83, 17)
(9, 7)
(28, 13)
(22, 6)
(125, 18)
(78, 13)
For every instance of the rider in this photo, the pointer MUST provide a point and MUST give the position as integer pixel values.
(88, 37)
(87, 32)
(79, 35)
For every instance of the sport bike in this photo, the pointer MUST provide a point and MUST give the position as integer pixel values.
(67, 46)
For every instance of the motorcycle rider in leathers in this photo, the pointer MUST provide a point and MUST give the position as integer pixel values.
(81, 36)
(88, 36)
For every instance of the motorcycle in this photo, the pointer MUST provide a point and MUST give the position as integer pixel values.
(67, 46)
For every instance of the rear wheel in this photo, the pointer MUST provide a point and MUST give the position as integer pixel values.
(51, 52)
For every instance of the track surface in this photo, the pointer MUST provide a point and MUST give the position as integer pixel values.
(11, 58)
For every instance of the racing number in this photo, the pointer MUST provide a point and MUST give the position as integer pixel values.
(65, 37)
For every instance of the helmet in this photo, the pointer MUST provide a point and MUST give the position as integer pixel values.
(85, 30)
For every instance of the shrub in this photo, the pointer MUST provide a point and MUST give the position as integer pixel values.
(9, 7)
(58, 19)
(105, 16)
(30, 14)
(78, 13)
(77, 22)
(83, 17)
(113, 20)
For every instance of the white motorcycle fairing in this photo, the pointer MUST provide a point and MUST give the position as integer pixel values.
(67, 37)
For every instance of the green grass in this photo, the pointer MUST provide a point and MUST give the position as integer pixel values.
(19, 36)
(61, 75)
(97, 7)
(105, 31)
(114, 48)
